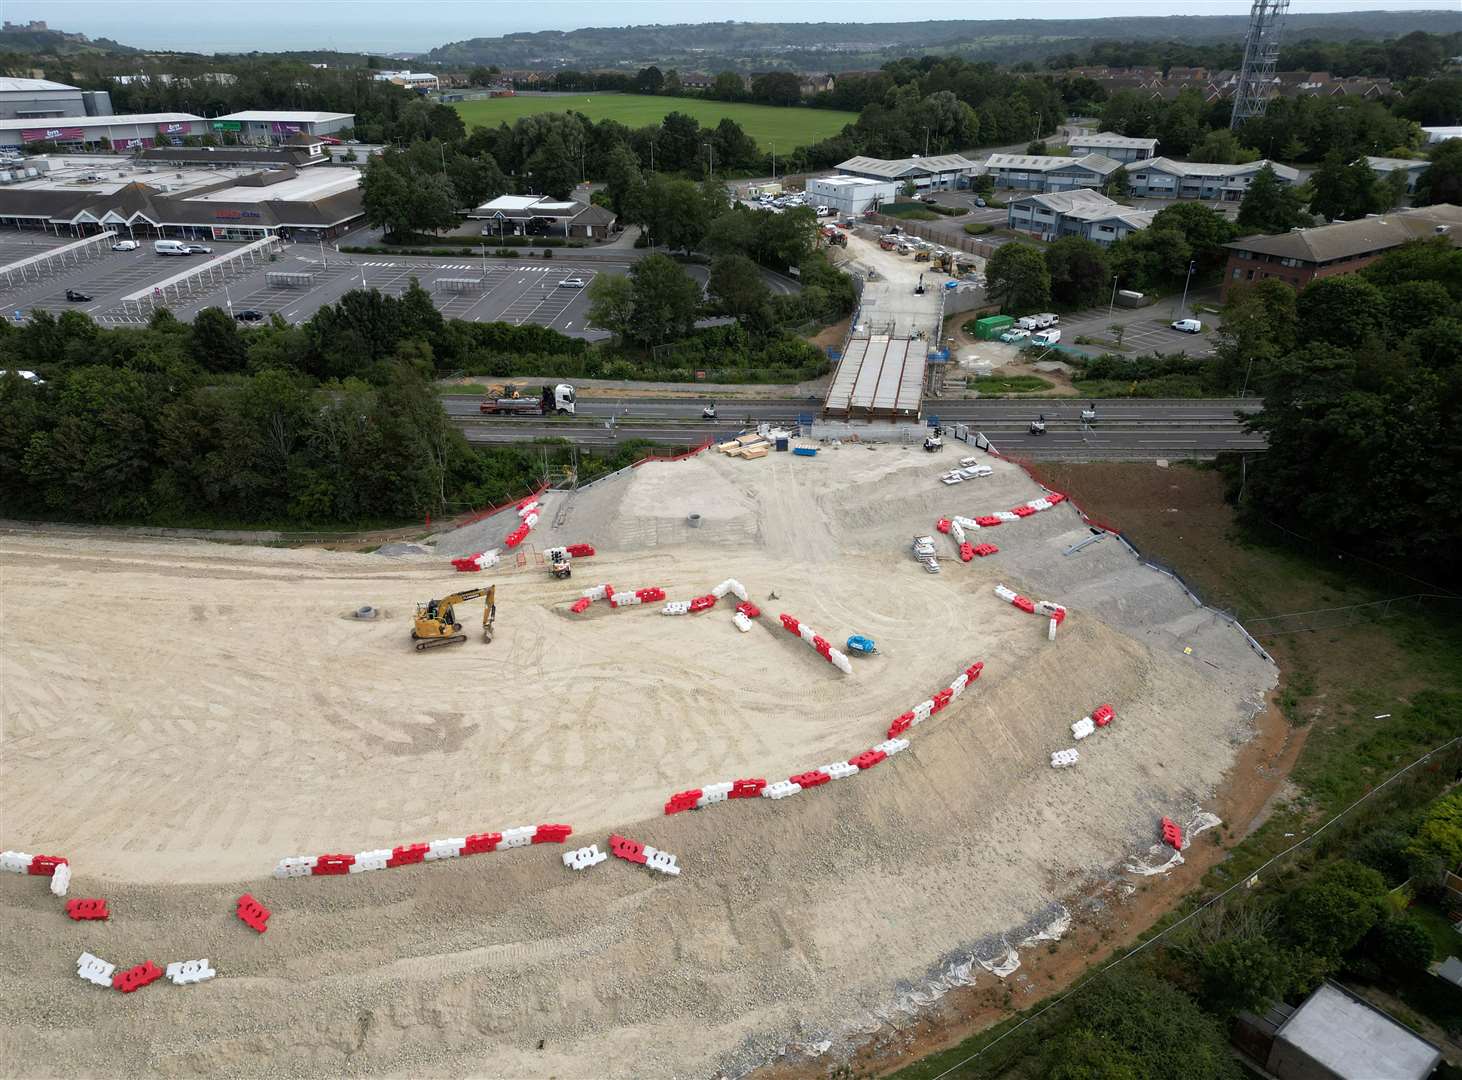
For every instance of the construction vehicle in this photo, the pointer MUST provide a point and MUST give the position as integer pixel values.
(943, 262)
(558, 563)
(553, 399)
(922, 255)
(919, 288)
(436, 620)
(838, 239)
(886, 243)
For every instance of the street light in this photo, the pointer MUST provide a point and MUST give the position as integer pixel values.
(1183, 304)
(711, 149)
(1112, 304)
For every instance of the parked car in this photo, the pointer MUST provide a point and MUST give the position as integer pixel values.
(980, 201)
(1188, 326)
(77, 297)
(125, 245)
(249, 314)
(1015, 333)
(572, 283)
(199, 249)
(927, 199)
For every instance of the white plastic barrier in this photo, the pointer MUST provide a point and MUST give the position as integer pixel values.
(676, 607)
(1051, 632)
(722, 589)
(714, 793)
(965, 523)
(531, 520)
(958, 685)
(893, 746)
(370, 860)
(806, 633)
(1046, 607)
(956, 531)
(296, 866)
(1039, 504)
(450, 848)
(840, 770)
(487, 560)
(1006, 515)
(662, 861)
(186, 972)
(61, 880)
(1063, 759)
(95, 970)
(527, 509)
(742, 622)
(922, 711)
(840, 661)
(780, 790)
(1082, 728)
(624, 599)
(1008, 595)
(596, 593)
(522, 836)
(584, 857)
(17, 862)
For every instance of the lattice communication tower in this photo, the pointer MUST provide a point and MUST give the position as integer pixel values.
(1261, 56)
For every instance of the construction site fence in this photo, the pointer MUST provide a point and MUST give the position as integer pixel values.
(958, 243)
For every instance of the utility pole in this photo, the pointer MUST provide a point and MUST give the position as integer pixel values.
(1112, 304)
(1192, 265)
(774, 159)
(711, 149)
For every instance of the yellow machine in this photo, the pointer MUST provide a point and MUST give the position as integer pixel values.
(436, 620)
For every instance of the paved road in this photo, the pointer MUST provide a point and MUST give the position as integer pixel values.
(1124, 427)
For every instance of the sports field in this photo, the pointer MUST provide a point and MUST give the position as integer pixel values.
(789, 127)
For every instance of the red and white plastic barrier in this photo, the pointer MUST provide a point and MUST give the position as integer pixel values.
(584, 857)
(925, 709)
(409, 854)
(187, 972)
(820, 644)
(100, 973)
(19, 862)
(94, 969)
(1045, 608)
(1064, 759)
(622, 847)
(483, 560)
(86, 909)
(730, 585)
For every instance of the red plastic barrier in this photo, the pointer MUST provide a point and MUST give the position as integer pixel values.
(651, 594)
(1054, 497)
(516, 537)
(622, 847)
(44, 865)
(581, 605)
(983, 550)
(580, 551)
(327, 865)
(941, 699)
(466, 566)
(973, 671)
(942, 525)
(702, 603)
(407, 854)
(815, 778)
(683, 800)
(529, 501)
(1022, 511)
(966, 552)
(253, 914)
(750, 610)
(1025, 604)
(1103, 715)
(989, 522)
(747, 789)
(1060, 616)
(608, 591)
(791, 624)
(868, 758)
(86, 908)
(823, 646)
(552, 834)
(135, 978)
(901, 724)
(1171, 834)
(479, 843)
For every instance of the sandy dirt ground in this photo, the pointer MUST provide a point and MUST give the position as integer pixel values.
(185, 714)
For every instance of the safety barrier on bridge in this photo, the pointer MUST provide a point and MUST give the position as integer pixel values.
(459, 284)
(199, 278)
(36, 267)
(291, 279)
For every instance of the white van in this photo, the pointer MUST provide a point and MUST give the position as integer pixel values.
(170, 247)
(1046, 337)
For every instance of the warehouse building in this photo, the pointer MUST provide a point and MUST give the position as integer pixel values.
(136, 131)
(296, 152)
(1384, 166)
(927, 173)
(849, 196)
(1088, 214)
(535, 215)
(1164, 178)
(81, 196)
(1043, 172)
(42, 99)
(268, 125)
(1114, 146)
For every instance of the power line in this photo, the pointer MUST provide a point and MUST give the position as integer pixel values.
(1198, 910)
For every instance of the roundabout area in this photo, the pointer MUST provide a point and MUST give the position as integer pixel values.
(211, 710)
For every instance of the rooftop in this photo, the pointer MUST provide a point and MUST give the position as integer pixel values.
(28, 86)
(97, 121)
(1065, 201)
(307, 187)
(1111, 140)
(847, 181)
(1213, 168)
(1356, 1041)
(1350, 239)
(1049, 163)
(898, 167)
(1391, 164)
(285, 117)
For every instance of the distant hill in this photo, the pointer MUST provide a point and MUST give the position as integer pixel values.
(851, 46)
(57, 43)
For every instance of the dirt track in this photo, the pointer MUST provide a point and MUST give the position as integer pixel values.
(209, 710)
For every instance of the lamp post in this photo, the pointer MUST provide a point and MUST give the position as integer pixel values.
(1112, 304)
(1183, 304)
(711, 149)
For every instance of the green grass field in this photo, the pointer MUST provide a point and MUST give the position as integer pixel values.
(789, 127)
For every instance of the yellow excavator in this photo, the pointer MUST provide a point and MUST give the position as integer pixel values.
(436, 620)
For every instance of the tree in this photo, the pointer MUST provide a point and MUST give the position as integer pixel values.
(777, 88)
(1206, 230)
(1391, 190)
(735, 149)
(728, 86)
(737, 288)
(678, 145)
(611, 303)
(649, 80)
(216, 343)
(665, 300)
(1222, 148)
(1441, 181)
(402, 200)
(553, 169)
(908, 189)
(622, 179)
(1399, 944)
(1017, 274)
(1243, 973)
(1151, 258)
(1343, 311)
(1079, 271)
(1341, 190)
(674, 212)
(1270, 206)
(1440, 834)
(1119, 184)
(1330, 913)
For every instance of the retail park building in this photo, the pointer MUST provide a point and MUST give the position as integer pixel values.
(138, 131)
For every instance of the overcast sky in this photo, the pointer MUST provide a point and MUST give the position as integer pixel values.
(417, 25)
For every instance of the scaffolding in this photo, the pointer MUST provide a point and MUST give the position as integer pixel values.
(199, 279)
(37, 267)
(1261, 57)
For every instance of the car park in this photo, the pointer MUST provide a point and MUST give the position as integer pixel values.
(76, 297)
(125, 245)
(572, 283)
(1188, 326)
